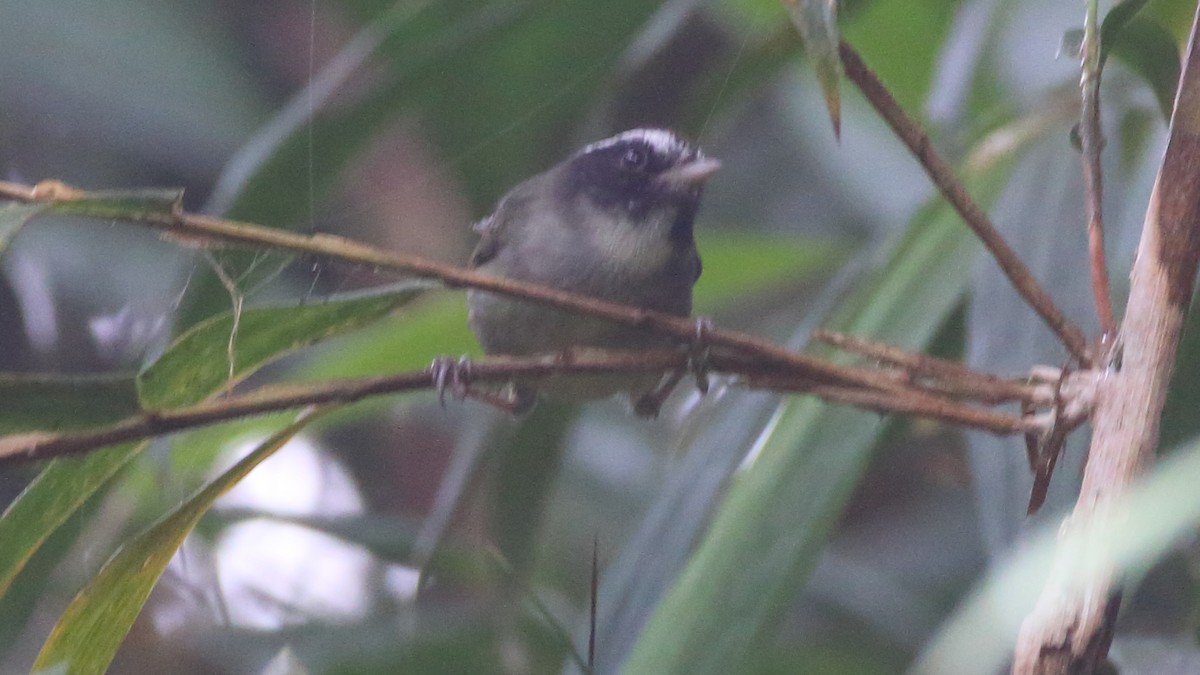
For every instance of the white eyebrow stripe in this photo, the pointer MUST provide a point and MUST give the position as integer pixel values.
(661, 140)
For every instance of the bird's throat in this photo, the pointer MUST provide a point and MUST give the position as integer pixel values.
(638, 248)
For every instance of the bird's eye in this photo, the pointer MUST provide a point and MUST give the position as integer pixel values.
(635, 159)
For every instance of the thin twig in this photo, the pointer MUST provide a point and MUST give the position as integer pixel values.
(910, 402)
(498, 369)
(951, 377)
(1091, 141)
(237, 301)
(958, 197)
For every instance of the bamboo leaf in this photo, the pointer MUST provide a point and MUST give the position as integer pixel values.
(175, 379)
(1147, 48)
(816, 20)
(46, 503)
(51, 402)
(1115, 21)
(87, 635)
(197, 363)
(118, 204)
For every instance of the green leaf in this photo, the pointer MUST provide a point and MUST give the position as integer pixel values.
(1147, 48)
(122, 204)
(46, 503)
(1114, 22)
(902, 41)
(125, 204)
(67, 483)
(87, 635)
(816, 20)
(435, 327)
(766, 536)
(1176, 15)
(197, 363)
(40, 574)
(58, 403)
(184, 374)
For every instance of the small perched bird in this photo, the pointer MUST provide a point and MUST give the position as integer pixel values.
(613, 221)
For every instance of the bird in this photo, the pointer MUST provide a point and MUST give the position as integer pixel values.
(613, 221)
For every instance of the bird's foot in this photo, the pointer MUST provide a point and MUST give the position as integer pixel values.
(455, 376)
(650, 403)
(451, 374)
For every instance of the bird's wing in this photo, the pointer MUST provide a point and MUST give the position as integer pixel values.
(489, 241)
(496, 229)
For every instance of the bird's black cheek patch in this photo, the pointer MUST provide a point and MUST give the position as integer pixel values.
(626, 196)
(681, 228)
(600, 178)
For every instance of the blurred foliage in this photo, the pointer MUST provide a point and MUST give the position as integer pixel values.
(837, 549)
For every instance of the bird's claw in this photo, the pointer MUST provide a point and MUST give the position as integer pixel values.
(453, 374)
(698, 353)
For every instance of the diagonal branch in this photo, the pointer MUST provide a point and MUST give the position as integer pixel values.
(958, 197)
(951, 378)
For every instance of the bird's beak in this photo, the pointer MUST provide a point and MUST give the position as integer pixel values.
(691, 174)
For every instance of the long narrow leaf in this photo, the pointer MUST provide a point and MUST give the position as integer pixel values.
(198, 362)
(180, 376)
(58, 491)
(816, 20)
(89, 632)
(115, 204)
(33, 402)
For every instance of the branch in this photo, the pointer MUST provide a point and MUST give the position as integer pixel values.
(204, 231)
(1069, 631)
(958, 197)
(1091, 141)
(894, 397)
(950, 377)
